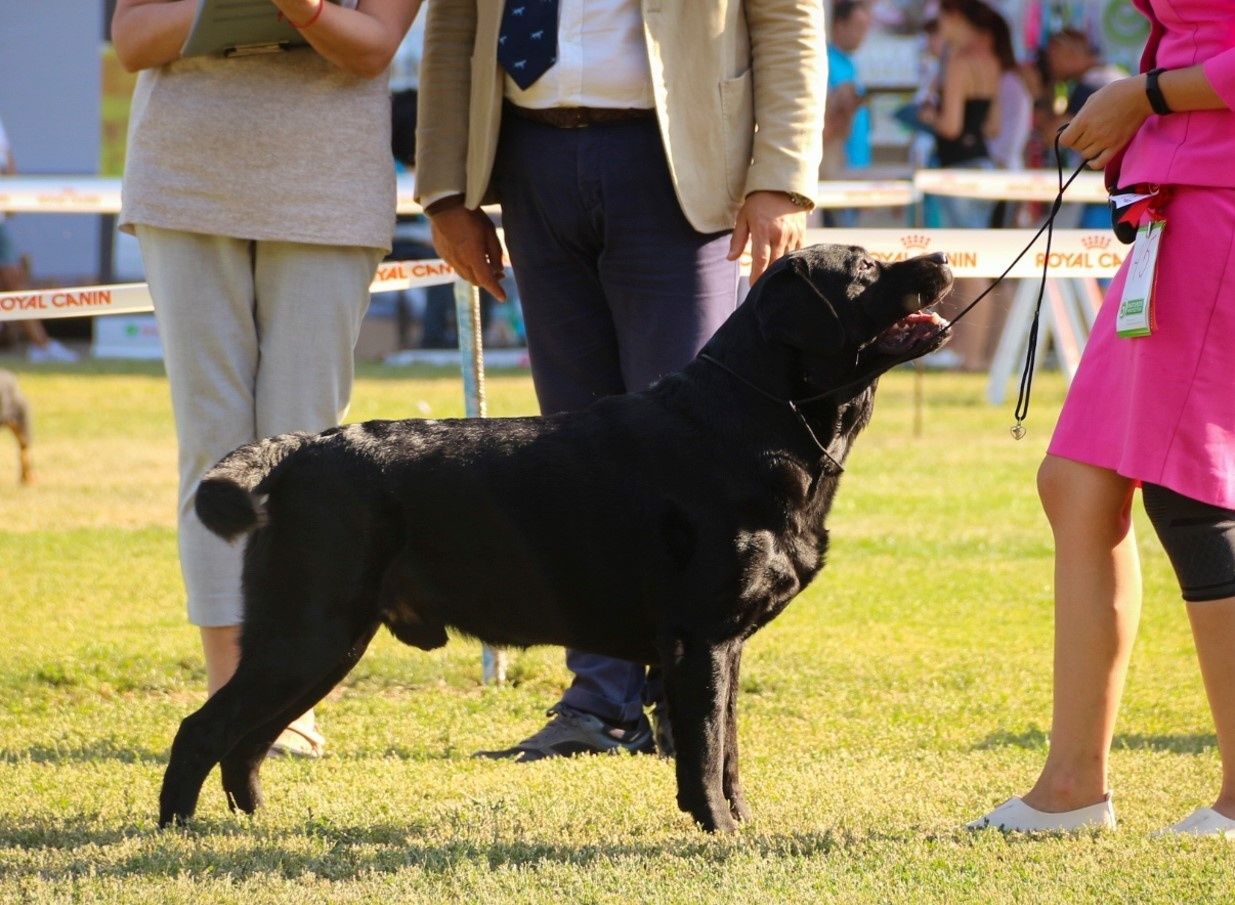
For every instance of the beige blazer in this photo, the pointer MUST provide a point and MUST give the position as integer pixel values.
(720, 68)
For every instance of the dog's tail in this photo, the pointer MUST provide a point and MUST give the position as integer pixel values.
(229, 499)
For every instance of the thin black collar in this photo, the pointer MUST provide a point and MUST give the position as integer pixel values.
(793, 404)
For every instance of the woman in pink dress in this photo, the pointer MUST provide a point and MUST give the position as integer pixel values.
(1154, 411)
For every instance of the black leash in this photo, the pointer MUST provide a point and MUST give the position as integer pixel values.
(1031, 351)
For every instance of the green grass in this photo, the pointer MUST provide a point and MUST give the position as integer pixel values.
(906, 691)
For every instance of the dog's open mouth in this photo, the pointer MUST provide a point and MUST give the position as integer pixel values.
(910, 332)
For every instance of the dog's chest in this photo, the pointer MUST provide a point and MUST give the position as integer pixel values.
(775, 566)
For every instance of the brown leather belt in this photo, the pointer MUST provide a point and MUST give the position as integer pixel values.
(579, 117)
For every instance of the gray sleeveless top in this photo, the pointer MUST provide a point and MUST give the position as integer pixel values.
(283, 147)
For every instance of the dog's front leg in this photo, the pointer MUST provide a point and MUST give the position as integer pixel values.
(730, 782)
(697, 685)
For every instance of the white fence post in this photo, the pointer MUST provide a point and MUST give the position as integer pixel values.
(472, 364)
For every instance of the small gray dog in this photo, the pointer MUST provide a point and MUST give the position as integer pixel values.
(15, 415)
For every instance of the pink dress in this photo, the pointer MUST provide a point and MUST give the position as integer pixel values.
(1161, 408)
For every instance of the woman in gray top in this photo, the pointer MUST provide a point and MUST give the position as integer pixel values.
(261, 189)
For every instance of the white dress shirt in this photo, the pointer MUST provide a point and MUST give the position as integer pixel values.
(602, 60)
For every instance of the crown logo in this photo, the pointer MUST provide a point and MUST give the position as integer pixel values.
(915, 241)
(1096, 241)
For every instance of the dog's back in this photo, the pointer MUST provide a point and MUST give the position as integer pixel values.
(15, 414)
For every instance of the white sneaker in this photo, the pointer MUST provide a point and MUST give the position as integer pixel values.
(53, 351)
(1014, 816)
(1202, 822)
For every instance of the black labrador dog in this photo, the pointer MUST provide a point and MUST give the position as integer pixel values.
(663, 527)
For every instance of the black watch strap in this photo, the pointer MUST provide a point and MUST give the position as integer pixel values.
(1154, 92)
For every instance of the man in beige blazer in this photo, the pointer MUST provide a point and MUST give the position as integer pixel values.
(635, 148)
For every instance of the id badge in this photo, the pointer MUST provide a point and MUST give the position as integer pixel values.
(1136, 312)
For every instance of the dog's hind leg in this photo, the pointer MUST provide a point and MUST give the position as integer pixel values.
(202, 739)
(271, 678)
(730, 782)
(242, 765)
(25, 471)
(697, 685)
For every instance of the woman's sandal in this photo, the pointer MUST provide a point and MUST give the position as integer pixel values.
(299, 741)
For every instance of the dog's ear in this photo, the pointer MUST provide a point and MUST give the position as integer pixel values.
(791, 311)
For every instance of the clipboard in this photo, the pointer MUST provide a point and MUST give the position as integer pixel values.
(239, 28)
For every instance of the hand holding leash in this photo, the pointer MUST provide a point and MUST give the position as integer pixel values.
(1107, 121)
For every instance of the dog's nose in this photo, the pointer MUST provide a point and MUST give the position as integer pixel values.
(938, 257)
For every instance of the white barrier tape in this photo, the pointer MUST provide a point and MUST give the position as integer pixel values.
(75, 301)
(393, 276)
(101, 195)
(1010, 185)
(986, 253)
(60, 194)
(134, 298)
(1075, 253)
(854, 193)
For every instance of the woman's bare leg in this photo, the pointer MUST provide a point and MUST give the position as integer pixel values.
(1213, 628)
(1097, 608)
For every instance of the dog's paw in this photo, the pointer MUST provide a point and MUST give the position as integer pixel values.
(740, 809)
(712, 817)
(717, 822)
(169, 818)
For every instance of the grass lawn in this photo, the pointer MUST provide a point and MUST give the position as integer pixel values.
(905, 692)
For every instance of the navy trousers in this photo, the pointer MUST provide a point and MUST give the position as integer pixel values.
(618, 290)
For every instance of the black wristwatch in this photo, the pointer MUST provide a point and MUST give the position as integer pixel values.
(1154, 92)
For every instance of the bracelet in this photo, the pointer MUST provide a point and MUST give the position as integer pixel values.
(1154, 92)
(800, 201)
(321, 4)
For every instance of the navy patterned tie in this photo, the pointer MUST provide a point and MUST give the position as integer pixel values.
(527, 43)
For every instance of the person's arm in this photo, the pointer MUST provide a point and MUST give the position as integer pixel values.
(149, 33)
(994, 115)
(1017, 104)
(789, 74)
(1114, 113)
(949, 119)
(842, 104)
(465, 238)
(361, 41)
(1219, 73)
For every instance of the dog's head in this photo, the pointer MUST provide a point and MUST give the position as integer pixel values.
(844, 316)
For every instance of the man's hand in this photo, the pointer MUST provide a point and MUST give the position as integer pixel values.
(1107, 120)
(467, 241)
(773, 224)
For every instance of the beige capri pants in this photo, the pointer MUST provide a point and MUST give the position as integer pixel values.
(258, 339)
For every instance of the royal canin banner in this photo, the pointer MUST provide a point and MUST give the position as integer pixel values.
(134, 298)
(977, 253)
(986, 253)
